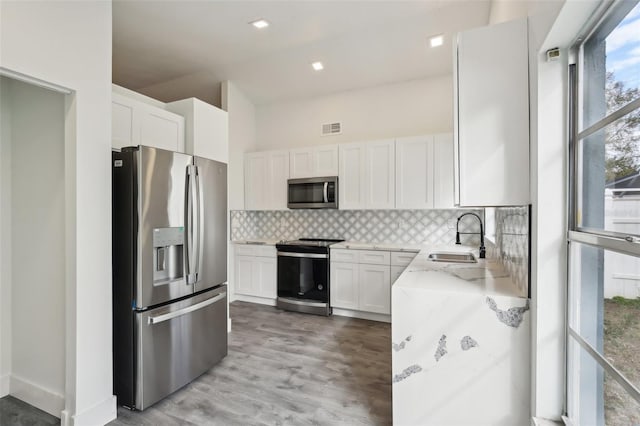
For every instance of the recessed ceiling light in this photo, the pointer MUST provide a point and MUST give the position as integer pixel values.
(317, 66)
(260, 23)
(436, 41)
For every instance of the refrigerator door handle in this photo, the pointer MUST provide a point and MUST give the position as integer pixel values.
(190, 231)
(200, 229)
(171, 315)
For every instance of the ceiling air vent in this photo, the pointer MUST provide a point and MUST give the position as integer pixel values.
(331, 129)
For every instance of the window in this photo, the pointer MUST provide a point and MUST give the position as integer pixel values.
(603, 359)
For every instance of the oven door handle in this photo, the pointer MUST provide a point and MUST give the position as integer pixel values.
(306, 255)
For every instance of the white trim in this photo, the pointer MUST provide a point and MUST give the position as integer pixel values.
(31, 393)
(34, 81)
(255, 299)
(538, 421)
(362, 315)
(631, 220)
(5, 381)
(626, 277)
(100, 414)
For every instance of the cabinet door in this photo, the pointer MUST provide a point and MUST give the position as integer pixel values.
(245, 276)
(443, 171)
(380, 175)
(351, 176)
(396, 271)
(415, 173)
(122, 132)
(325, 160)
(278, 176)
(161, 129)
(267, 277)
(301, 163)
(256, 181)
(375, 289)
(493, 115)
(344, 285)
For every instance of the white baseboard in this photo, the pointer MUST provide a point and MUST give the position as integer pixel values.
(254, 299)
(362, 315)
(5, 381)
(44, 399)
(100, 414)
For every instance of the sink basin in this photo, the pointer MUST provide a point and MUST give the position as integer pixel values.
(452, 257)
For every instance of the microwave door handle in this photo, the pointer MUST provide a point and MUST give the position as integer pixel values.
(325, 192)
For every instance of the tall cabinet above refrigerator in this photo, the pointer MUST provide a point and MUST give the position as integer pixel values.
(169, 271)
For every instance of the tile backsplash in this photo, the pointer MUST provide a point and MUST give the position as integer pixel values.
(376, 226)
(512, 243)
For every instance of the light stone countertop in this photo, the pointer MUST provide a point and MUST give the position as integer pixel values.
(487, 277)
(357, 245)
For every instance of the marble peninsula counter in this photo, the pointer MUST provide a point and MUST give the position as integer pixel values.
(460, 344)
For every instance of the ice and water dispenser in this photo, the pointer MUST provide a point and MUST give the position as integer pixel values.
(168, 246)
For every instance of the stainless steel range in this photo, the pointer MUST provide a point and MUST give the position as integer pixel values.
(303, 275)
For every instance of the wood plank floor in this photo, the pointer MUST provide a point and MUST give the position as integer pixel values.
(286, 368)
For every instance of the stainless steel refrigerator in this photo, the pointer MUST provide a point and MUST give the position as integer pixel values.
(169, 271)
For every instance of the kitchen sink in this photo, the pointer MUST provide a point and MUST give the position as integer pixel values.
(452, 257)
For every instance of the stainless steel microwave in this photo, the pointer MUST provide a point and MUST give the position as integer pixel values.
(313, 193)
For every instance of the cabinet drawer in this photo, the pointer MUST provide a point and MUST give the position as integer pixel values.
(266, 251)
(344, 255)
(374, 257)
(255, 250)
(401, 258)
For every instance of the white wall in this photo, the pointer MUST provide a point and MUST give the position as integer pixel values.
(552, 24)
(5, 238)
(403, 109)
(69, 44)
(242, 138)
(37, 281)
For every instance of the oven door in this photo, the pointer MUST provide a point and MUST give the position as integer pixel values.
(303, 276)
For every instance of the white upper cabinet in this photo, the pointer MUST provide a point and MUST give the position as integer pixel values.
(424, 172)
(316, 161)
(351, 176)
(265, 180)
(380, 175)
(207, 129)
(414, 172)
(491, 118)
(366, 177)
(443, 171)
(137, 123)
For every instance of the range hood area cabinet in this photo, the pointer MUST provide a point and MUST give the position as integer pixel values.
(317, 161)
(265, 180)
(491, 116)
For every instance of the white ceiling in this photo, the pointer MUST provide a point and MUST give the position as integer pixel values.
(176, 49)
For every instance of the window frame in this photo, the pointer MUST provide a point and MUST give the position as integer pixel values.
(608, 16)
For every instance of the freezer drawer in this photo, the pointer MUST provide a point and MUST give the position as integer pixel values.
(179, 342)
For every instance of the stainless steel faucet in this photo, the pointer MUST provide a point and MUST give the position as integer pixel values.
(482, 248)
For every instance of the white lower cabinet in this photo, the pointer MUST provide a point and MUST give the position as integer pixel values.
(375, 288)
(396, 271)
(255, 270)
(344, 285)
(361, 280)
